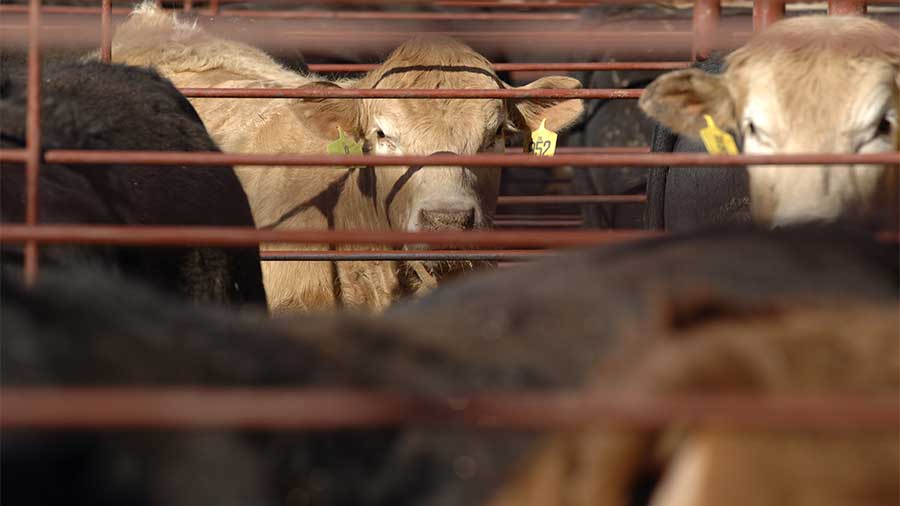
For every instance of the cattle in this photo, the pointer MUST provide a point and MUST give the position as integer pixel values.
(849, 350)
(382, 198)
(94, 106)
(686, 198)
(811, 84)
(571, 330)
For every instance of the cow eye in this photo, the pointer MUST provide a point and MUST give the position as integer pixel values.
(751, 128)
(380, 133)
(884, 126)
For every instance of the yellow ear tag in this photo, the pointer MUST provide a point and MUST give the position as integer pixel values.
(543, 141)
(344, 145)
(717, 141)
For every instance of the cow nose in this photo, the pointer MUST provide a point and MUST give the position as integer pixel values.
(447, 219)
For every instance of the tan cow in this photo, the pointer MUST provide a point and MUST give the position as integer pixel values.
(811, 84)
(384, 198)
(850, 350)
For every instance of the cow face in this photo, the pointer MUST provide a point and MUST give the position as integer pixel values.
(443, 197)
(807, 85)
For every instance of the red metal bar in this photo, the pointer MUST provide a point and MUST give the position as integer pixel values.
(766, 12)
(106, 32)
(395, 255)
(321, 408)
(846, 7)
(594, 150)
(545, 224)
(527, 67)
(511, 200)
(406, 93)
(546, 217)
(74, 157)
(33, 135)
(214, 7)
(245, 236)
(406, 16)
(706, 26)
(188, 5)
(13, 155)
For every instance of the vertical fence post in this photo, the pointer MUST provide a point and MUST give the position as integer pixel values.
(705, 27)
(106, 31)
(33, 135)
(213, 7)
(846, 7)
(188, 5)
(766, 12)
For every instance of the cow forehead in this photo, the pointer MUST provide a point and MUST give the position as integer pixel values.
(816, 63)
(821, 92)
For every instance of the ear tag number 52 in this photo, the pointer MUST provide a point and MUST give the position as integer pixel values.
(716, 140)
(543, 141)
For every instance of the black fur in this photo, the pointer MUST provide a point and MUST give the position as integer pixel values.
(114, 107)
(688, 198)
(544, 325)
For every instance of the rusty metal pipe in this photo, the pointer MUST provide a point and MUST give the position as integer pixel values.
(705, 27)
(74, 157)
(32, 136)
(245, 236)
(335, 408)
(106, 31)
(846, 7)
(514, 200)
(609, 93)
(420, 255)
(766, 12)
(526, 67)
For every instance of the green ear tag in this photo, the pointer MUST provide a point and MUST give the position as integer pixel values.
(344, 145)
(543, 141)
(717, 141)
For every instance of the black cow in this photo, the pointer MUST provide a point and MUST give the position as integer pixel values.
(544, 325)
(687, 198)
(113, 107)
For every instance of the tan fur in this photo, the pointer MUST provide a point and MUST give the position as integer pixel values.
(190, 57)
(803, 84)
(848, 349)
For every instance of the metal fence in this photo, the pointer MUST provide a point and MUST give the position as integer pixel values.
(274, 409)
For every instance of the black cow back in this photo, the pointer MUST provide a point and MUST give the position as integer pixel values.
(114, 107)
(688, 198)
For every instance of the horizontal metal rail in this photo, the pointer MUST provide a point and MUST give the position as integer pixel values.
(527, 67)
(373, 15)
(510, 200)
(500, 224)
(397, 255)
(74, 157)
(590, 150)
(246, 236)
(331, 92)
(321, 408)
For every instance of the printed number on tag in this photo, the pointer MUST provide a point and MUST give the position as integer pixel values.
(543, 141)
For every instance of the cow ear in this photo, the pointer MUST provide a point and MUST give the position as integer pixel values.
(679, 100)
(327, 114)
(526, 114)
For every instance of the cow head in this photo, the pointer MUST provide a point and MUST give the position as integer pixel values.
(812, 84)
(440, 197)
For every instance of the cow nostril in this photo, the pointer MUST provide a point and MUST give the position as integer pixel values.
(443, 219)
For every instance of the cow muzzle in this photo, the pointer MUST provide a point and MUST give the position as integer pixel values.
(447, 219)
